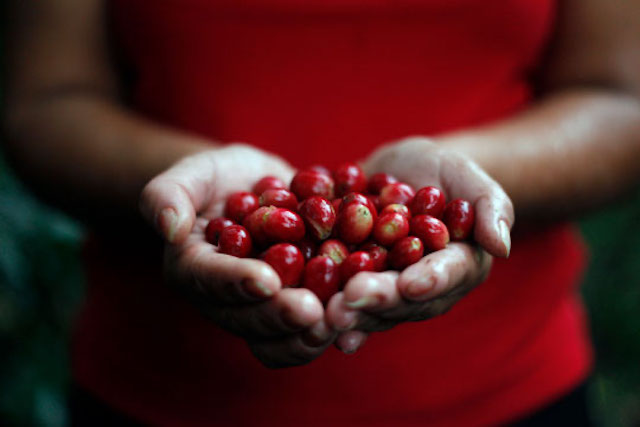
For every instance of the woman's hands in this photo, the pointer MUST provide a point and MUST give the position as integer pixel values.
(283, 327)
(379, 301)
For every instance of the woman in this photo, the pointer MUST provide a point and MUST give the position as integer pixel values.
(325, 82)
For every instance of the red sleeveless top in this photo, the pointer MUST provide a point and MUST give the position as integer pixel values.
(325, 81)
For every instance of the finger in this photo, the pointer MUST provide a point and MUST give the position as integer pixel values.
(294, 350)
(289, 311)
(458, 268)
(171, 200)
(220, 278)
(351, 341)
(462, 178)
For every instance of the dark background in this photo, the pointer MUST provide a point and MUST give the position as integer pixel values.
(41, 287)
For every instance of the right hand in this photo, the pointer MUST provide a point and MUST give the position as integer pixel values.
(283, 327)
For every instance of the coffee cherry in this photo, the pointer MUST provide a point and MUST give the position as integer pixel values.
(279, 197)
(360, 198)
(354, 264)
(396, 208)
(348, 177)
(431, 231)
(235, 240)
(255, 224)
(322, 276)
(379, 255)
(267, 183)
(283, 225)
(405, 252)
(459, 217)
(390, 228)
(319, 216)
(308, 183)
(398, 192)
(354, 223)
(334, 249)
(215, 227)
(378, 181)
(287, 261)
(428, 201)
(240, 204)
(307, 247)
(319, 169)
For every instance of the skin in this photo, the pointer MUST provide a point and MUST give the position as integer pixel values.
(68, 130)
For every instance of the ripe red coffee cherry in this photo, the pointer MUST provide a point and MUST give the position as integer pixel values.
(215, 227)
(320, 169)
(379, 255)
(354, 223)
(235, 240)
(348, 177)
(240, 204)
(428, 201)
(283, 225)
(405, 252)
(322, 276)
(359, 198)
(378, 181)
(287, 261)
(255, 224)
(431, 231)
(279, 197)
(319, 216)
(354, 264)
(334, 249)
(390, 228)
(308, 183)
(396, 208)
(459, 217)
(398, 192)
(307, 247)
(267, 183)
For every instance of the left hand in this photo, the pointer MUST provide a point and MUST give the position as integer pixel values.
(378, 301)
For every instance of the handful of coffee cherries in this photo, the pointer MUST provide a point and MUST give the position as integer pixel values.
(326, 227)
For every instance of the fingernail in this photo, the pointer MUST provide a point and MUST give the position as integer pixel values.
(168, 222)
(421, 288)
(352, 344)
(505, 235)
(318, 335)
(256, 288)
(364, 302)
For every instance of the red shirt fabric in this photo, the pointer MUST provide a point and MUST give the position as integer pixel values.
(325, 81)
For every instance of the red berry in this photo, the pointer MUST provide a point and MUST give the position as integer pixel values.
(308, 248)
(354, 197)
(354, 264)
(354, 223)
(348, 177)
(431, 231)
(215, 227)
(241, 204)
(308, 183)
(459, 217)
(287, 261)
(267, 183)
(279, 197)
(320, 169)
(378, 181)
(428, 201)
(396, 208)
(322, 276)
(255, 223)
(334, 249)
(379, 255)
(390, 228)
(405, 252)
(319, 216)
(283, 225)
(398, 192)
(235, 240)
